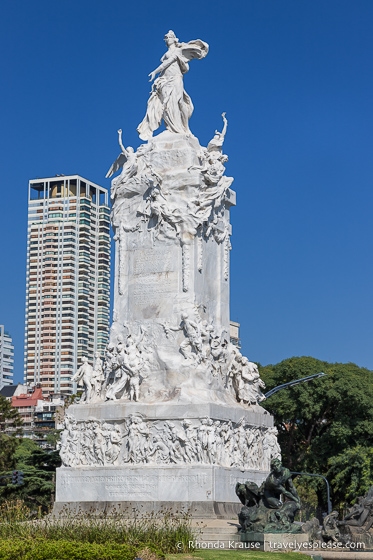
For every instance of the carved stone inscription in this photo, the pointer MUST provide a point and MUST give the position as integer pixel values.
(155, 277)
(154, 260)
(136, 485)
(147, 291)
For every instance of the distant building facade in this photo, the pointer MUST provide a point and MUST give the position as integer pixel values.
(39, 415)
(6, 358)
(67, 279)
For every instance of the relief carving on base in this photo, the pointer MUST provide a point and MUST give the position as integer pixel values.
(137, 440)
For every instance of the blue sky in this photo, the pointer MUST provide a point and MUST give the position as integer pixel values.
(295, 78)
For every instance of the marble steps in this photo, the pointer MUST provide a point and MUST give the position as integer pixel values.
(216, 530)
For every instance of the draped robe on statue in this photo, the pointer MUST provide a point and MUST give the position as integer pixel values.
(168, 100)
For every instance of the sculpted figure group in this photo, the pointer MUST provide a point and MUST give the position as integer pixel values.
(137, 440)
(188, 204)
(119, 376)
(126, 363)
(90, 443)
(357, 524)
(129, 360)
(139, 181)
(272, 507)
(140, 197)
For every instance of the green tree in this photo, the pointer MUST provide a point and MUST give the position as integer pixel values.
(53, 437)
(323, 420)
(10, 432)
(38, 467)
(351, 473)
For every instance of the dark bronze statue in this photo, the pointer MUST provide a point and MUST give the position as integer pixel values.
(330, 531)
(272, 507)
(357, 525)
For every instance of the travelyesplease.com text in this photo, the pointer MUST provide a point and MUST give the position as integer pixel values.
(273, 545)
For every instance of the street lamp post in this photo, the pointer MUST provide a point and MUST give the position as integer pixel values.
(329, 503)
(294, 382)
(290, 384)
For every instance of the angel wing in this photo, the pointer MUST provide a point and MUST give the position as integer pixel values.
(118, 163)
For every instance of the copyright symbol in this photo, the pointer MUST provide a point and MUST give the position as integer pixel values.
(179, 545)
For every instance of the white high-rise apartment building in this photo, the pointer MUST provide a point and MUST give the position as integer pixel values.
(68, 279)
(6, 358)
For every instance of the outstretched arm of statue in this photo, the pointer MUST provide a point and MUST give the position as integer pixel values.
(221, 135)
(289, 495)
(162, 67)
(119, 162)
(225, 124)
(120, 132)
(167, 330)
(77, 376)
(355, 511)
(175, 329)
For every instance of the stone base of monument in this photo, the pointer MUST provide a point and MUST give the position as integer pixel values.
(200, 491)
(358, 537)
(132, 455)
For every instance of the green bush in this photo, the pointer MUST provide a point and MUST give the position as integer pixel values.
(159, 534)
(64, 550)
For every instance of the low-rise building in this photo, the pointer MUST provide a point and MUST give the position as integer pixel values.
(26, 403)
(9, 391)
(40, 416)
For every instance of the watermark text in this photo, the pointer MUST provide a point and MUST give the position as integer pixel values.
(315, 545)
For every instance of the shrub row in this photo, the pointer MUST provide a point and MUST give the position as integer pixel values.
(40, 549)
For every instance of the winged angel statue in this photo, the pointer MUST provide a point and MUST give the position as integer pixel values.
(127, 159)
(135, 178)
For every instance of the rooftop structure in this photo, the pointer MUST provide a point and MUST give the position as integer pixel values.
(68, 279)
(9, 391)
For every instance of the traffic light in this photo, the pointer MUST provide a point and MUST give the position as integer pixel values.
(17, 477)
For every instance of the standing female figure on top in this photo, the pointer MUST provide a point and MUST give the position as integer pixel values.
(168, 99)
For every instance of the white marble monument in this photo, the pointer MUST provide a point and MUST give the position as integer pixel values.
(172, 415)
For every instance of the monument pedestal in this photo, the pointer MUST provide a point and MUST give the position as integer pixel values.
(179, 456)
